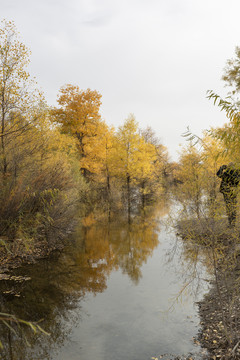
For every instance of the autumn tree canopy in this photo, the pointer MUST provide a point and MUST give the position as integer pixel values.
(79, 116)
(18, 98)
(232, 71)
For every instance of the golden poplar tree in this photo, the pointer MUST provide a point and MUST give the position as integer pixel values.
(191, 177)
(127, 154)
(144, 173)
(79, 116)
(156, 155)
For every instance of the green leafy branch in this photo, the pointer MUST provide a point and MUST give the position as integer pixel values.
(230, 108)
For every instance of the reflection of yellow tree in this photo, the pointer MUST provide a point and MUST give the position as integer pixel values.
(94, 262)
(84, 267)
(112, 246)
(132, 246)
(55, 289)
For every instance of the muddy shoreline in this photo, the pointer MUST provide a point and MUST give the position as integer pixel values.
(219, 310)
(219, 313)
(18, 253)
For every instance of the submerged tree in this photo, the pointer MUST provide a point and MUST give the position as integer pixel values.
(127, 149)
(190, 176)
(157, 179)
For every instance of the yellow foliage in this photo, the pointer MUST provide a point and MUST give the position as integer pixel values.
(127, 156)
(79, 116)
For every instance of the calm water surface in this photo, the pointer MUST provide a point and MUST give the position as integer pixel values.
(113, 293)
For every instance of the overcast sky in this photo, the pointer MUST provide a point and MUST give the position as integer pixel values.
(153, 58)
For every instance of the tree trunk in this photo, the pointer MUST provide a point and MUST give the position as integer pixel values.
(4, 159)
(108, 197)
(143, 195)
(128, 199)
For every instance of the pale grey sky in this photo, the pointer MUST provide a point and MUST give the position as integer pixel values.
(153, 58)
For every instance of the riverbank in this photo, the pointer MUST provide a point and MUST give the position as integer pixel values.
(14, 254)
(219, 322)
(217, 246)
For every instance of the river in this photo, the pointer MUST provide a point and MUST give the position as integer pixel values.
(114, 292)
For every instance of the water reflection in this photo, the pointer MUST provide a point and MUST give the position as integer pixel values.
(192, 269)
(58, 285)
(133, 245)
